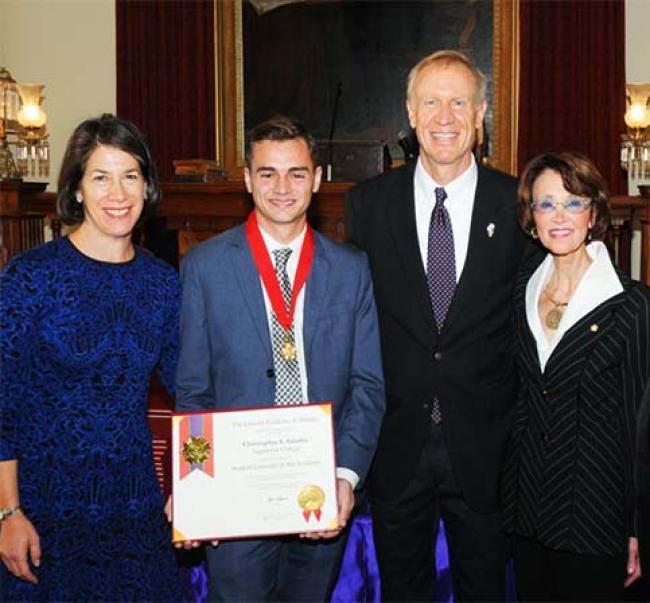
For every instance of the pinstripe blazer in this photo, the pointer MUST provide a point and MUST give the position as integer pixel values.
(568, 478)
(643, 481)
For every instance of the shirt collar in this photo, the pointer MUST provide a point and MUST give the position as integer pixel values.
(295, 245)
(598, 284)
(427, 184)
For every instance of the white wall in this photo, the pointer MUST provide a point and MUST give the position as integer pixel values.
(637, 50)
(637, 70)
(68, 45)
(637, 40)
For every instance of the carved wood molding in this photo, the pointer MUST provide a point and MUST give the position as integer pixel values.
(505, 78)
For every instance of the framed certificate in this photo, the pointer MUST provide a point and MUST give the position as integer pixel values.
(253, 472)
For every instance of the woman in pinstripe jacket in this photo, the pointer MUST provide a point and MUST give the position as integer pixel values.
(583, 337)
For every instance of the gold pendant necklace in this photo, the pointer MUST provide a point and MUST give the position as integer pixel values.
(554, 315)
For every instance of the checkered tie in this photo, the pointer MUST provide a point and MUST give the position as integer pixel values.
(441, 269)
(287, 372)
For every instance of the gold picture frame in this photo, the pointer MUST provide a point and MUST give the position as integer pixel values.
(229, 83)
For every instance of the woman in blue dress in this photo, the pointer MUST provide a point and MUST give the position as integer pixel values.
(84, 321)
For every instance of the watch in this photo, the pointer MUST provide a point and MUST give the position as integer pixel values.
(5, 513)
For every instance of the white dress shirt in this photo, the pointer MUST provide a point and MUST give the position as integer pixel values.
(292, 268)
(598, 284)
(459, 204)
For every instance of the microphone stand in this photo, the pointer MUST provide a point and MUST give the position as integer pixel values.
(330, 139)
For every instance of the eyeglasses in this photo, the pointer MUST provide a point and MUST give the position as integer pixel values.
(573, 205)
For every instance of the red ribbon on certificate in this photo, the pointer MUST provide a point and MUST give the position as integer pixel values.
(265, 268)
(311, 499)
(316, 512)
(197, 445)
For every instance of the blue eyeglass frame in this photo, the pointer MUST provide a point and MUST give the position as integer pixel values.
(573, 205)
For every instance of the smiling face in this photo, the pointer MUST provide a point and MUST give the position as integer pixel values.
(445, 112)
(561, 232)
(112, 192)
(282, 178)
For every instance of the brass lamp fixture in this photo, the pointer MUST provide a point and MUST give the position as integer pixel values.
(23, 127)
(9, 102)
(635, 144)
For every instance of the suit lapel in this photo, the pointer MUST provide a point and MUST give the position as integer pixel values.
(582, 334)
(250, 286)
(577, 342)
(529, 355)
(315, 294)
(401, 216)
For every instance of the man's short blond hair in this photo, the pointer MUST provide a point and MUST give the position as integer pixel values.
(446, 58)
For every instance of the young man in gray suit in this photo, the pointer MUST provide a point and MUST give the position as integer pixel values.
(237, 351)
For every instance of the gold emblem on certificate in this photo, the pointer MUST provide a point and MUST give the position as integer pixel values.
(196, 449)
(311, 500)
(288, 347)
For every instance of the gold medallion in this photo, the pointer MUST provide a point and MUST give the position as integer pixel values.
(553, 318)
(288, 351)
(196, 449)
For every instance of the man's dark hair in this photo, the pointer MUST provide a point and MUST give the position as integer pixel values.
(279, 127)
(110, 131)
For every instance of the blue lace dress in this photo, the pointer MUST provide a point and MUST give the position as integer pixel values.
(79, 339)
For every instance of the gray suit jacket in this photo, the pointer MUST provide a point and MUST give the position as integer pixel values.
(226, 358)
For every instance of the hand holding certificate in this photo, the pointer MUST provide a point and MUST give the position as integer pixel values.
(254, 472)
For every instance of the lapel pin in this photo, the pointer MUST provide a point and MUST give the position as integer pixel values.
(594, 328)
(490, 229)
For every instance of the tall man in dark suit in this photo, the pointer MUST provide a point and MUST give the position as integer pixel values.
(444, 247)
(237, 351)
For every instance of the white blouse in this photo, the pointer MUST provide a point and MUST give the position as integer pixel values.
(598, 284)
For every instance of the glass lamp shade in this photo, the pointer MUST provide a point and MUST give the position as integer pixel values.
(638, 106)
(31, 115)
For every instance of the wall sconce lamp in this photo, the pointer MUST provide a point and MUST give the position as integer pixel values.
(635, 144)
(23, 126)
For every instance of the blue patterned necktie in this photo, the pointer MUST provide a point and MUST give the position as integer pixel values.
(441, 260)
(288, 389)
(441, 270)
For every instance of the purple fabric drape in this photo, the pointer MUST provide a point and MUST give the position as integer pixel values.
(359, 576)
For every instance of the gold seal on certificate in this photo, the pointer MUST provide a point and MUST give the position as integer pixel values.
(196, 449)
(311, 500)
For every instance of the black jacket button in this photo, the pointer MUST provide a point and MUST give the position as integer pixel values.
(270, 373)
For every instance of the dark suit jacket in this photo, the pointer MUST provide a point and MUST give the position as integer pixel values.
(469, 366)
(643, 482)
(226, 360)
(569, 476)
